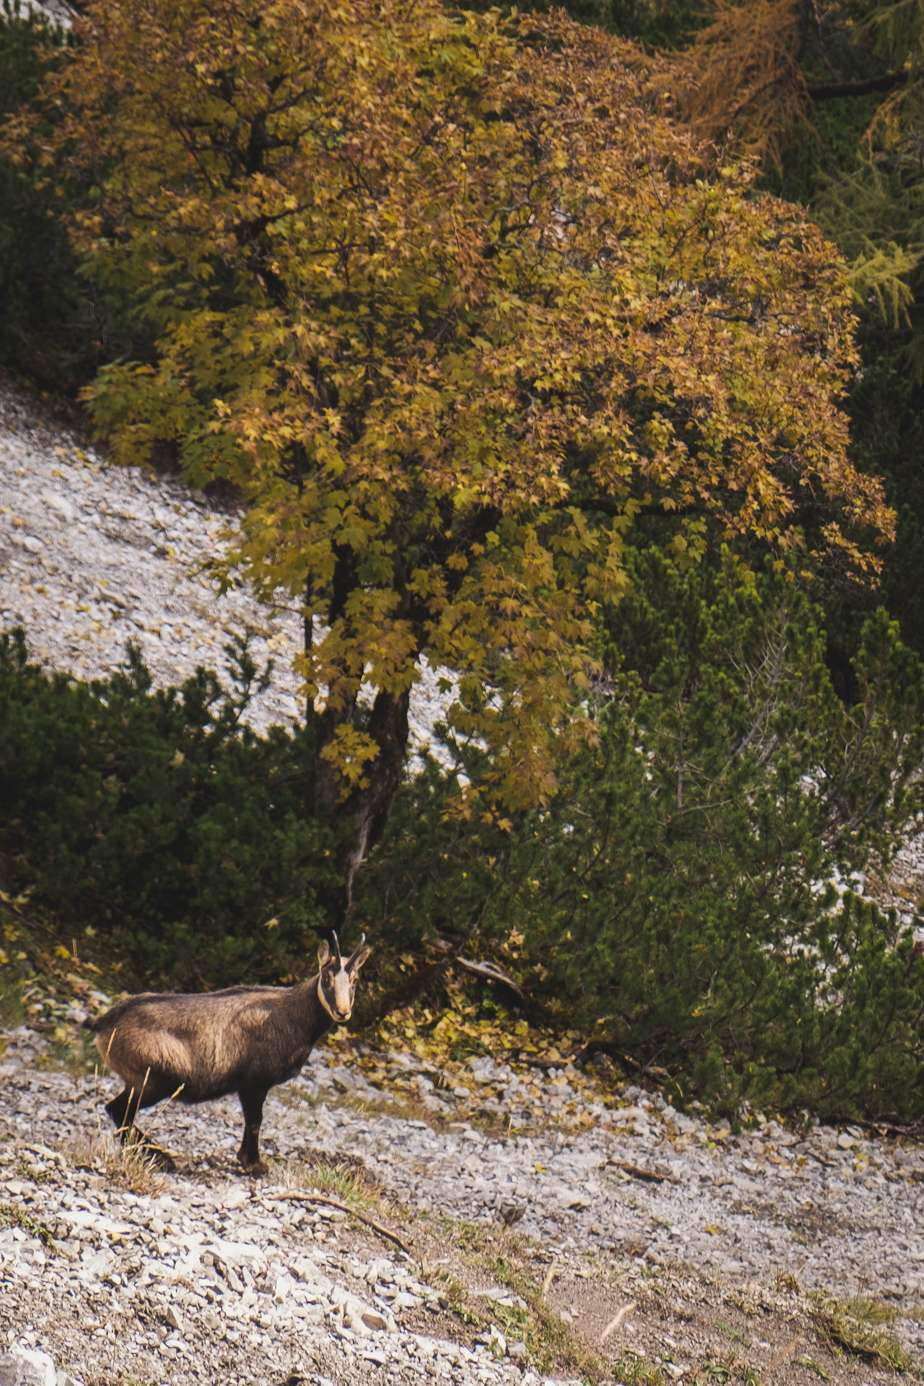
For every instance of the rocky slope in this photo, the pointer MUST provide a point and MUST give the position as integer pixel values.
(779, 1255)
(709, 1243)
(94, 556)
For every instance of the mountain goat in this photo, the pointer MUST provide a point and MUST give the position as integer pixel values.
(197, 1047)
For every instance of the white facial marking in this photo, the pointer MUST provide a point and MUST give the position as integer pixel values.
(335, 992)
(343, 992)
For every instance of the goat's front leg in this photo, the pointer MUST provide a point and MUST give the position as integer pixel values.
(252, 1099)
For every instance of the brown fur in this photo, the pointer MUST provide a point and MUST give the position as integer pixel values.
(196, 1047)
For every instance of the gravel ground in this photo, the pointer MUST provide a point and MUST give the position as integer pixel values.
(204, 1278)
(210, 1277)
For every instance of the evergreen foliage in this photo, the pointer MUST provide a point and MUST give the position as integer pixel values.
(658, 23)
(830, 99)
(38, 289)
(676, 898)
(156, 818)
(684, 899)
(56, 325)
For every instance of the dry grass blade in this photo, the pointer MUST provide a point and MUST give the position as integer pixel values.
(298, 1196)
(130, 1166)
(616, 1320)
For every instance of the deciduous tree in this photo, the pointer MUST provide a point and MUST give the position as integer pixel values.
(451, 303)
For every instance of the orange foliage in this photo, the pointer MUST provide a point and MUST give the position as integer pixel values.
(451, 303)
(742, 74)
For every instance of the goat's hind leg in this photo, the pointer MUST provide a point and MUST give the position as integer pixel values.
(123, 1110)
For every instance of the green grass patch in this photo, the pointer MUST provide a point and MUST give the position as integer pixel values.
(503, 1257)
(633, 1370)
(11, 1215)
(717, 1371)
(855, 1326)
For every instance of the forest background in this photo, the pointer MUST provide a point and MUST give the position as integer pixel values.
(634, 513)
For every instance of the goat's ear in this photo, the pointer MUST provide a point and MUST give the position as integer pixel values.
(323, 953)
(358, 958)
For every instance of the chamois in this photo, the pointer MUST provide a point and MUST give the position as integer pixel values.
(196, 1047)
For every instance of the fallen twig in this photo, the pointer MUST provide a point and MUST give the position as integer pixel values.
(299, 1196)
(616, 1320)
(640, 1172)
(490, 972)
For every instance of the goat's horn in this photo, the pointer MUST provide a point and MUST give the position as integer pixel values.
(336, 945)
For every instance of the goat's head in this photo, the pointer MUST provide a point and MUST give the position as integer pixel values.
(337, 979)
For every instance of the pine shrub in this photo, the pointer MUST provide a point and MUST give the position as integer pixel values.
(690, 896)
(155, 817)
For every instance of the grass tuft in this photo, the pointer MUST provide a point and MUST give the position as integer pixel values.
(856, 1326)
(11, 1215)
(633, 1370)
(727, 1369)
(341, 1178)
(131, 1166)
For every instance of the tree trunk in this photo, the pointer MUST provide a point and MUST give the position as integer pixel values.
(361, 817)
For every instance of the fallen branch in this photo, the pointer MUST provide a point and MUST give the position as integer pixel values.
(912, 1129)
(490, 972)
(535, 1012)
(615, 1051)
(887, 81)
(653, 1176)
(298, 1196)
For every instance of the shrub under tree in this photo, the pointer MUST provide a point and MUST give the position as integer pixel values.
(158, 819)
(686, 896)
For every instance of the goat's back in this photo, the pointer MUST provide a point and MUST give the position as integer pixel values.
(206, 1042)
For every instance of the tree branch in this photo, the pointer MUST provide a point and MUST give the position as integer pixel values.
(888, 81)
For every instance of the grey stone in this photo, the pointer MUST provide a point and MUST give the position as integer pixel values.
(173, 1318)
(22, 1366)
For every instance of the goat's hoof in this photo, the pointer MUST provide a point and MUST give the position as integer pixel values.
(255, 1168)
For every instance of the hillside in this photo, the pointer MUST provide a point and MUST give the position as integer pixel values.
(773, 1255)
(538, 1208)
(93, 556)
